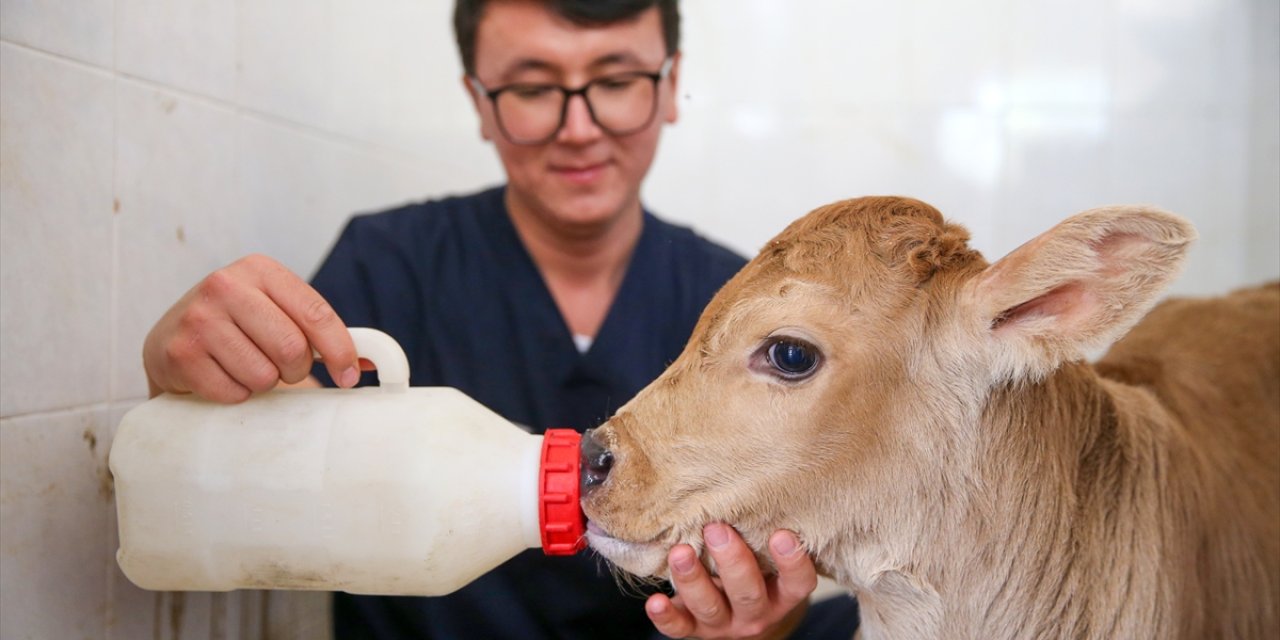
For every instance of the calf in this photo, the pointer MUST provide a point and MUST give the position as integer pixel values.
(928, 425)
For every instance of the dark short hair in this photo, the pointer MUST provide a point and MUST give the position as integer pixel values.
(467, 13)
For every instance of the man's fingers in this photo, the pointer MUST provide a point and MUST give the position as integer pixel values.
(254, 296)
(244, 328)
(211, 382)
(740, 602)
(797, 577)
(744, 584)
(698, 593)
(274, 332)
(239, 356)
(202, 350)
(667, 618)
(313, 315)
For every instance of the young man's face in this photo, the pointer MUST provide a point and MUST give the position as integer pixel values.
(584, 176)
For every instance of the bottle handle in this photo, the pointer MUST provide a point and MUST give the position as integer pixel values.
(385, 354)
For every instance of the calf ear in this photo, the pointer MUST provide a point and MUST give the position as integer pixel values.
(1077, 287)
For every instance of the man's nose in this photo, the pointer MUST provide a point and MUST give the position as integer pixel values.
(597, 461)
(579, 125)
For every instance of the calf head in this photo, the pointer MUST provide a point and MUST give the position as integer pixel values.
(833, 385)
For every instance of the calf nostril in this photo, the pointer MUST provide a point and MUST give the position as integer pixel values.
(602, 462)
(596, 461)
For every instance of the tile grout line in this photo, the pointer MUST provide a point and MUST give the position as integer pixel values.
(113, 322)
(79, 408)
(311, 131)
(242, 115)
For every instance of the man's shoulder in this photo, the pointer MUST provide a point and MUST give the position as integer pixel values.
(385, 264)
(414, 222)
(692, 247)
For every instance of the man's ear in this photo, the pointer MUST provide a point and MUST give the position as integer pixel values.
(478, 102)
(670, 111)
(1077, 287)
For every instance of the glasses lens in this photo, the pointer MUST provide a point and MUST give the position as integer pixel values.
(622, 103)
(529, 113)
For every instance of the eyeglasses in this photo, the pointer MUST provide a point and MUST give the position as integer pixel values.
(533, 113)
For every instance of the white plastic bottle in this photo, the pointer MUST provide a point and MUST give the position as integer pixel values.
(380, 490)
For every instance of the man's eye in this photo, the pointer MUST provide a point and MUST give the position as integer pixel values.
(616, 83)
(792, 359)
(531, 91)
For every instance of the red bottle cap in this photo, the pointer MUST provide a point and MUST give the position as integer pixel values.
(564, 527)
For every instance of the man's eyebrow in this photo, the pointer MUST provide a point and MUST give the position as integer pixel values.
(522, 65)
(527, 64)
(621, 57)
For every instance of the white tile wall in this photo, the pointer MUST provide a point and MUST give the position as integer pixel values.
(79, 30)
(1007, 116)
(1059, 53)
(180, 214)
(1054, 167)
(1264, 137)
(299, 189)
(958, 50)
(144, 143)
(1184, 55)
(189, 45)
(56, 499)
(411, 42)
(55, 268)
(286, 61)
(1201, 173)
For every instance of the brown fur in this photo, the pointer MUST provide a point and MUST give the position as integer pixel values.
(953, 460)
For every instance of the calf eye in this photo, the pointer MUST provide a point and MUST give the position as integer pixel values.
(792, 359)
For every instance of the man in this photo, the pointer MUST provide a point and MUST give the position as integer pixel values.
(551, 300)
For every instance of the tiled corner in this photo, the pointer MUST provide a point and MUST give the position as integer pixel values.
(179, 211)
(54, 525)
(188, 45)
(79, 30)
(55, 232)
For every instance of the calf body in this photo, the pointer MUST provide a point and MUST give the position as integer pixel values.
(926, 422)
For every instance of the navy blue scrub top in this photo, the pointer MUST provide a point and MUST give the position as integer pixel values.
(450, 280)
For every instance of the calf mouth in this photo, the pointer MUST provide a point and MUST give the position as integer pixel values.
(640, 558)
(633, 535)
